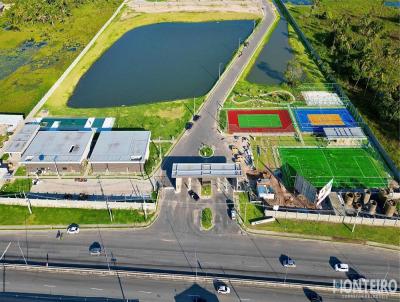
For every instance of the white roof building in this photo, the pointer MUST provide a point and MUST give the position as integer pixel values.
(66, 147)
(121, 147)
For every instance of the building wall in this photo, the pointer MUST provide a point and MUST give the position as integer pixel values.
(51, 168)
(117, 167)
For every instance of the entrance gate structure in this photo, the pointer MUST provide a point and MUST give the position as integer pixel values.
(220, 172)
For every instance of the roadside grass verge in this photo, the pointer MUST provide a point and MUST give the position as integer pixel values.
(157, 153)
(338, 232)
(21, 171)
(206, 219)
(28, 82)
(17, 186)
(172, 115)
(17, 215)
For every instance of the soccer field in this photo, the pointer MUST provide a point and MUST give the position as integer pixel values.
(349, 167)
(259, 121)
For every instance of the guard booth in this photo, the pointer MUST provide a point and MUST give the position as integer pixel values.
(221, 173)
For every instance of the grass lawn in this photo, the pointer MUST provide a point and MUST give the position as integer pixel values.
(317, 31)
(30, 73)
(155, 157)
(386, 235)
(17, 186)
(21, 171)
(250, 212)
(206, 219)
(206, 189)
(171, 115)
(16, 215)
(349, 167)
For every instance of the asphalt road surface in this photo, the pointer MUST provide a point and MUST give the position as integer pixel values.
(175, 242)
(35, 287)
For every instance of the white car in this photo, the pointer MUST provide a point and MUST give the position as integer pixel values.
(233, 214)
(341, 267)
(223, 289)
(73, 229)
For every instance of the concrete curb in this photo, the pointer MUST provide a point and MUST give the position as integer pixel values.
(186, 277)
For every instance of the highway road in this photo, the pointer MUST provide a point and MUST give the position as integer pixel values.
(176, 243)
(34, 287)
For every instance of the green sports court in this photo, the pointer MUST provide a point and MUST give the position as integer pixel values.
(349, 167)
(259, 121)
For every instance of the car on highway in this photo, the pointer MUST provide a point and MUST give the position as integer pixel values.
(341, 267)
(314, 297)
(223, 289)
(289, 262)
(193, 195)
(95, 249)
(233, 214)
(73, 229)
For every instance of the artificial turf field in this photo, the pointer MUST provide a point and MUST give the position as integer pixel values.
(349, 167)
(259, 121)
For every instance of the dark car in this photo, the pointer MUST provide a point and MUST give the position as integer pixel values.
(95, 249)
(193, 195)
(188, 125)
(315, 298)
(196, 117)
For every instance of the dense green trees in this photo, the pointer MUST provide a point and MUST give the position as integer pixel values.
(361, 53)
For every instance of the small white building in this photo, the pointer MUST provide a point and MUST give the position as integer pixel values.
(9, 122)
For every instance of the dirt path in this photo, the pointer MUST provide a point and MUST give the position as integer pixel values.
(245, 6)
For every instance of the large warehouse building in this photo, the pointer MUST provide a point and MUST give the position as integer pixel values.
(120, 152)
(57, 152)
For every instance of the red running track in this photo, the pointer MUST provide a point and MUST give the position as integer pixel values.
(233, 123)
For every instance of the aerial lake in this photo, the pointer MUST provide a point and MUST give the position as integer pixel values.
(160, 62)
(271, 63)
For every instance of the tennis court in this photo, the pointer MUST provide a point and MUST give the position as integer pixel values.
(258, 121)
(349, 167)
(315, 119)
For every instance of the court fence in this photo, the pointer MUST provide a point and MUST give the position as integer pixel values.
(324, 68)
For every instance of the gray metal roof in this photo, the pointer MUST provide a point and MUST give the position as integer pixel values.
(121, 147)
(206, 170)
(58, 146)
(21, 140)
(344, 132)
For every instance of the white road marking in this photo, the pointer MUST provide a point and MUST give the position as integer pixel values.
(94, 288)
(46, 285)
(142, 291)
(168, 240)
